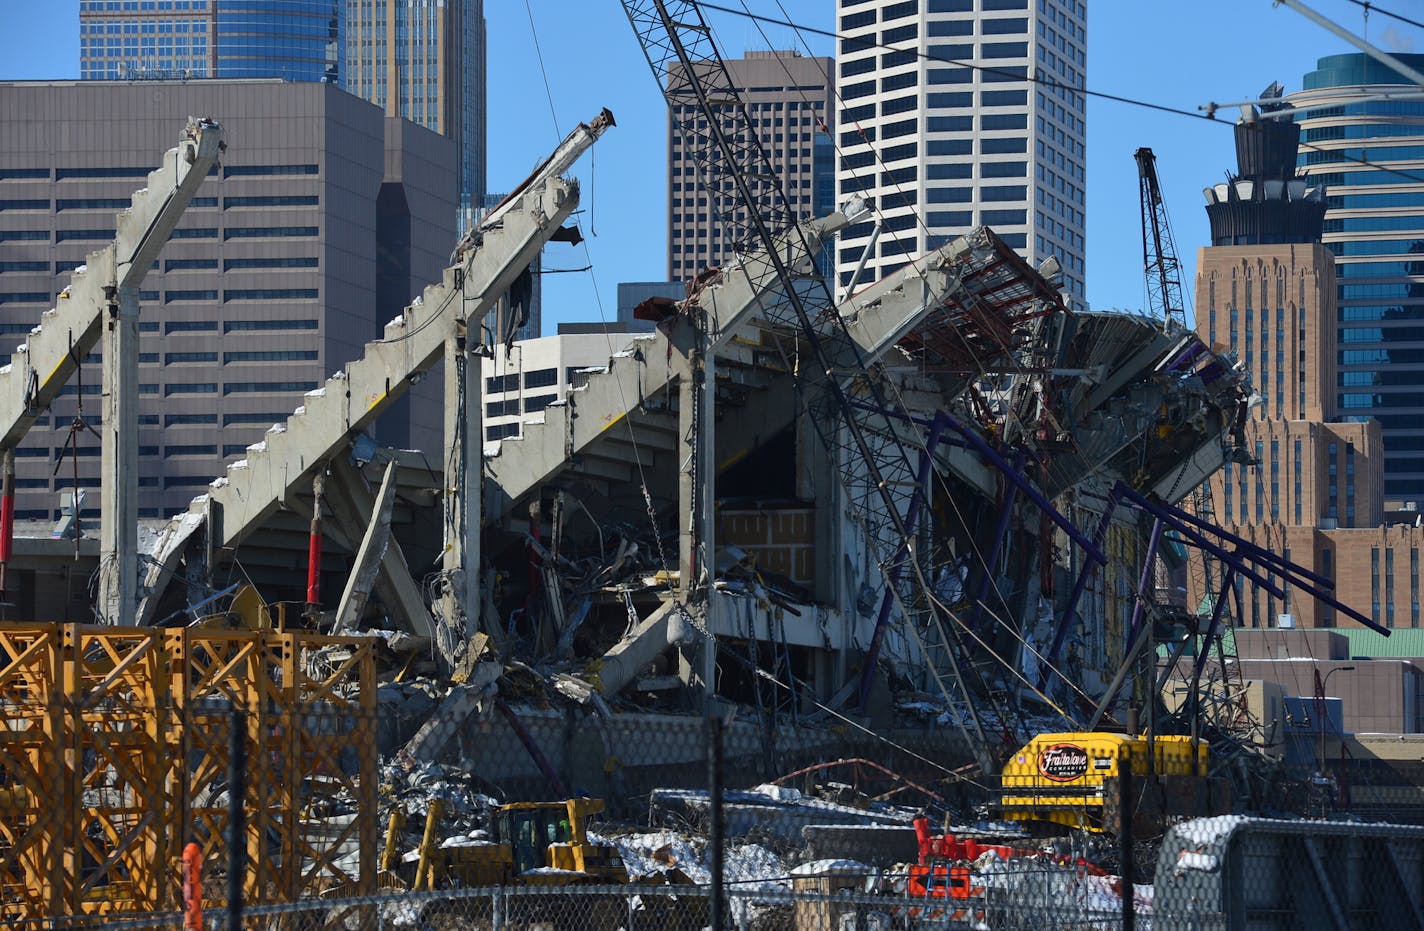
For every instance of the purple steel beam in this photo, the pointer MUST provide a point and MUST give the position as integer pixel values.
(1186, 357)
(1001, 528)
(1202, 542)
(1228, 584)
(897, 567)
(1139, 609)
(977, 443)
(1236, 561)
(1259, 551)
(1060, 634)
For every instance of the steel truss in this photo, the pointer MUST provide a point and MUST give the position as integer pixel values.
(115, 753)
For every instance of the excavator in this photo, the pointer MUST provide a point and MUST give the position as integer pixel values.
(529, 844)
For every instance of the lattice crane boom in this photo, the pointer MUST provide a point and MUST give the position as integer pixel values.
(1160, 265)
(747, 195)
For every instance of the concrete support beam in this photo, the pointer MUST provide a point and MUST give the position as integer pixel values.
(631, 655)
(460, 604)
(66, 333)
(352, 399)
(725, 304)
(118, 511)
(349, 501)
(368, 557)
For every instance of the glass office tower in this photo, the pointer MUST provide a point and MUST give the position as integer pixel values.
(299, 40)
(1366, 147)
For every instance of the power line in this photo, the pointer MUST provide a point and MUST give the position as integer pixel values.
(1369, 7)
(1041, 80)
(860, 43)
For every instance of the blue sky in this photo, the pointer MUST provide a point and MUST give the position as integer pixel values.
(1177, 54)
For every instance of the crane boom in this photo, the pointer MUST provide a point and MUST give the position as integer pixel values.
(1160, 265)
(875, 466)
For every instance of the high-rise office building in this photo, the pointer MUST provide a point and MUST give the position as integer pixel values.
(1308, 480)
(944, 131)
(1366, 149)
(431, 51)
(325, 219)
(299, 40)
(788, 98)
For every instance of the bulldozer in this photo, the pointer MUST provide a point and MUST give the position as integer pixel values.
(528, 844)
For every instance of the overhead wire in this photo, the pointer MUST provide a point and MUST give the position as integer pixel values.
(1376, 8)
(796, 685)
(889, 383)
(878, 210)
(1033, 78)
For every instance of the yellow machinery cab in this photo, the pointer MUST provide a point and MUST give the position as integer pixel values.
(1071, 778)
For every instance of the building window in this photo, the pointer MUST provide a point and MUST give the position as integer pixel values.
(259, 387)
(501, 431)
(1414, 586)
(1332, 484)
(230, 326)
(264, 232)
(283, 261)
(1375, 584)
(233, 171)
(1297, 493)
(541, 378)
(271, 355)
(200, 295)
(269, 294)
(272, 200)
(1389, 587)
(1350, 484)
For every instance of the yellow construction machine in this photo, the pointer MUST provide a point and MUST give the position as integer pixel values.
(529, 844)
(1075, 780)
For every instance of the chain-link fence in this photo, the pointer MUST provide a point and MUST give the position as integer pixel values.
(249, 779)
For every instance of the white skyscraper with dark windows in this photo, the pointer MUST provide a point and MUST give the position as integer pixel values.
(940, 127)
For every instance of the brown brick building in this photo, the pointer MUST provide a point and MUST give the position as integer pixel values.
(1267, 289)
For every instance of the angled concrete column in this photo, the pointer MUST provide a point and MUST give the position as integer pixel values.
(459, 611)
(118, 520)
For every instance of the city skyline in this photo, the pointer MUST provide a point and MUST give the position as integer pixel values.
(630, 245)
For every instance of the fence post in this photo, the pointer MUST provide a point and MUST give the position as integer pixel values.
(1125, 845)
(497, 910)
(236, 818)
(714, 786)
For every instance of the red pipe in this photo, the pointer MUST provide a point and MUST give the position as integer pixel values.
(7, 516)
(314, 566)
(314, 547)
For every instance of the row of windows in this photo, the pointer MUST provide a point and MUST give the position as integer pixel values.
(935, 101)
(262, 355)
(238, 387)
(112, 171)
(103, 235)
(136, 6)
(284, 261)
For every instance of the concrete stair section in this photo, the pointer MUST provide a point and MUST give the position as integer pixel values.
(607, 406)
(254, 487)
(67, 332)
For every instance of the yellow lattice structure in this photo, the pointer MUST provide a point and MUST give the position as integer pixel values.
(114, 753)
